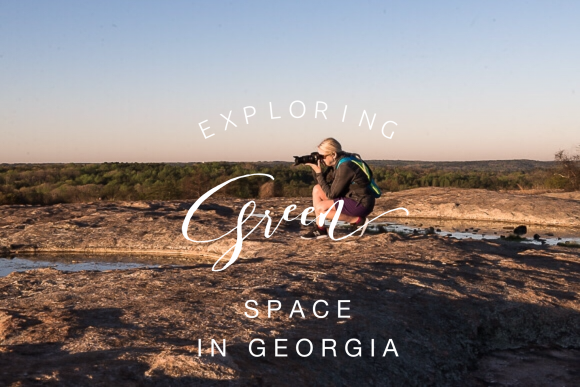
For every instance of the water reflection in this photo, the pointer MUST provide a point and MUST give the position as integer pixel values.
(101, 263)
(460, 229)
(466, 229)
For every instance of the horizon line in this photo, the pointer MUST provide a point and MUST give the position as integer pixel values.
(260, 161)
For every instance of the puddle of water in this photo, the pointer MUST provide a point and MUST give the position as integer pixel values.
(9, 265)
(466, 229)
(460, 229)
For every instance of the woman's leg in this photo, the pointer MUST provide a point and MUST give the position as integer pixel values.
(321, 204)
(318, 196)
(343, 217)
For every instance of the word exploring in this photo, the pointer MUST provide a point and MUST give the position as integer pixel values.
(242, 218)
(297, 109)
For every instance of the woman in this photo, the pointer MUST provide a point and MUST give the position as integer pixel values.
(349, 180)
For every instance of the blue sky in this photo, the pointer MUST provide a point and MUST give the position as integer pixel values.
(88, 81)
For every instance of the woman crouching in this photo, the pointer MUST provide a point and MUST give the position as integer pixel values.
(347, 178)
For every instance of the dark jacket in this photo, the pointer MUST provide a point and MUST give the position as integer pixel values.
(348, 181)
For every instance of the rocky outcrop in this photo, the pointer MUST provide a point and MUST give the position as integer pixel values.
(456, 311)
(478, 204)
(155, 227)
(447, 306)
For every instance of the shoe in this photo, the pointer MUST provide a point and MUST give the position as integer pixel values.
(315, 233)
(364, 222)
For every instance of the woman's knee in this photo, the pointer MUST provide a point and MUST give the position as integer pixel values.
(323, 206)
(319, 207)
(318, 193)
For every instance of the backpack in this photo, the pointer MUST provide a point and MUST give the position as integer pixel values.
(365, 168)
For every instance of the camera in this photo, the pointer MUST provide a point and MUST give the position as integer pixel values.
(308, 159)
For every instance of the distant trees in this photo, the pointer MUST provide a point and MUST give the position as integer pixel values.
(569, 169)
(66, 183)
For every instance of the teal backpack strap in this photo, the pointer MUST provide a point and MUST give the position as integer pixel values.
(342, 160)
(365, 168)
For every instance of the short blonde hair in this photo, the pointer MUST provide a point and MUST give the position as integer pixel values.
(330, 146)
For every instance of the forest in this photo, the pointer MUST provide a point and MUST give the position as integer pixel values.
(66, 183)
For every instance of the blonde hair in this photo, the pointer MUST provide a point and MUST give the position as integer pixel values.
(330, 146)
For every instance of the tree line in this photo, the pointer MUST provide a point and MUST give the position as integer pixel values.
(67, 183)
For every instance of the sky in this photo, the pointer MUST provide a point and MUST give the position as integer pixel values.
(96, 81)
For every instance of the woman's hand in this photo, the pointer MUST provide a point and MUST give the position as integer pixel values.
(315, 167)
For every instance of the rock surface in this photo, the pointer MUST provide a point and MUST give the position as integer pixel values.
(458, 312)
(478, 204)
(155, 227)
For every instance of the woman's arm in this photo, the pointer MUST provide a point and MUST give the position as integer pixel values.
(343, 177)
